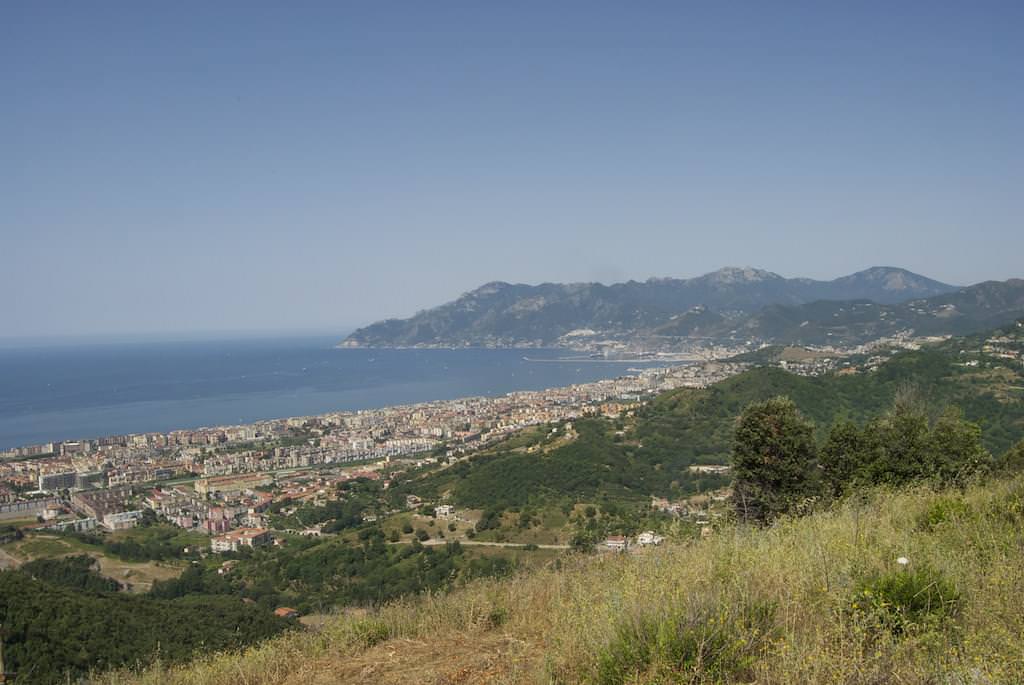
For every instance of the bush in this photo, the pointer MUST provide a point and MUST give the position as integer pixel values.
(694, 644)
(497, 617)
(907, 600)
(942, 510)
(369, 632)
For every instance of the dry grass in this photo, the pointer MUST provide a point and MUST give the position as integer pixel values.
(777, 606)
(139, 575)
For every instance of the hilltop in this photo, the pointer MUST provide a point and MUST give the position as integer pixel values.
(504, 314)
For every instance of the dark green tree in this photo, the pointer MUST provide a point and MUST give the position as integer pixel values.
(957, 452)
(846, 456)
(773, 460)
(1012, 460)
(900, 444)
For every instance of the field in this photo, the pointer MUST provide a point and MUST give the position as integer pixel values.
(137, 575)
(819, 599)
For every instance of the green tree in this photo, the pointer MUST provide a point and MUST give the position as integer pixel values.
(902, 445)
(957, 452)
(773, 460)
(1012, 460)
(845, 457)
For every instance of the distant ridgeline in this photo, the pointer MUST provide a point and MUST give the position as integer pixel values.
(650, 455)
(729, 304)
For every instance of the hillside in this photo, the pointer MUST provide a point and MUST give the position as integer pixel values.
(820, 599)
(968, 310)
(629, 460)
(61, 620)
(503, 314)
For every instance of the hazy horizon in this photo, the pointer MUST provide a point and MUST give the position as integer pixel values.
(240, 167)
(340, 331)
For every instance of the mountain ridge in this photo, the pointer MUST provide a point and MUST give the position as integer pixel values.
(502, 314)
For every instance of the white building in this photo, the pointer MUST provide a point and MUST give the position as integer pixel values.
(649, 537)
(243, 537)
(122, 520)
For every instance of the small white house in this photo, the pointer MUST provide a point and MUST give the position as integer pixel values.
(649, 537)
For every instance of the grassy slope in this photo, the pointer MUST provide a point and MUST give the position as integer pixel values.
(796, 583)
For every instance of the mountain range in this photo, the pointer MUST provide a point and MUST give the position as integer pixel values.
(728, 304)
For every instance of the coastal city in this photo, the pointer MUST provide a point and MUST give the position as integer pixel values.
(218, 480)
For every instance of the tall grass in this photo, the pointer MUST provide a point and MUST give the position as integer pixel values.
(819, 599)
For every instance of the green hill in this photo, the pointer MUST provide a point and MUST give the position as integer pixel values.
(649, 454)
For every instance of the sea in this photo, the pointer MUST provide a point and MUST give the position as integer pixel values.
(66, 392)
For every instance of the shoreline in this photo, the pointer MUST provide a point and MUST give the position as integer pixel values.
(7, 454)
(679, 359)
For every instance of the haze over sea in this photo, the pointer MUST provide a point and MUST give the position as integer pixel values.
(51, 393)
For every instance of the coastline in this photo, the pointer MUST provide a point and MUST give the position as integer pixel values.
(671, 359)
(510, 374)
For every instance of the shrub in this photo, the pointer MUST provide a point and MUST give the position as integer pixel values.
(496, 617)
(942, 510)
(369, 632)
(688, 645)
(907, 600)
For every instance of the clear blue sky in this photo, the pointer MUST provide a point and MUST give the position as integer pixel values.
(185, 166)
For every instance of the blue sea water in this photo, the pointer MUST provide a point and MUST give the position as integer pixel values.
(68, 392)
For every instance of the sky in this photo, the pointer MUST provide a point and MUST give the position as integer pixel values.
(268, 166)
